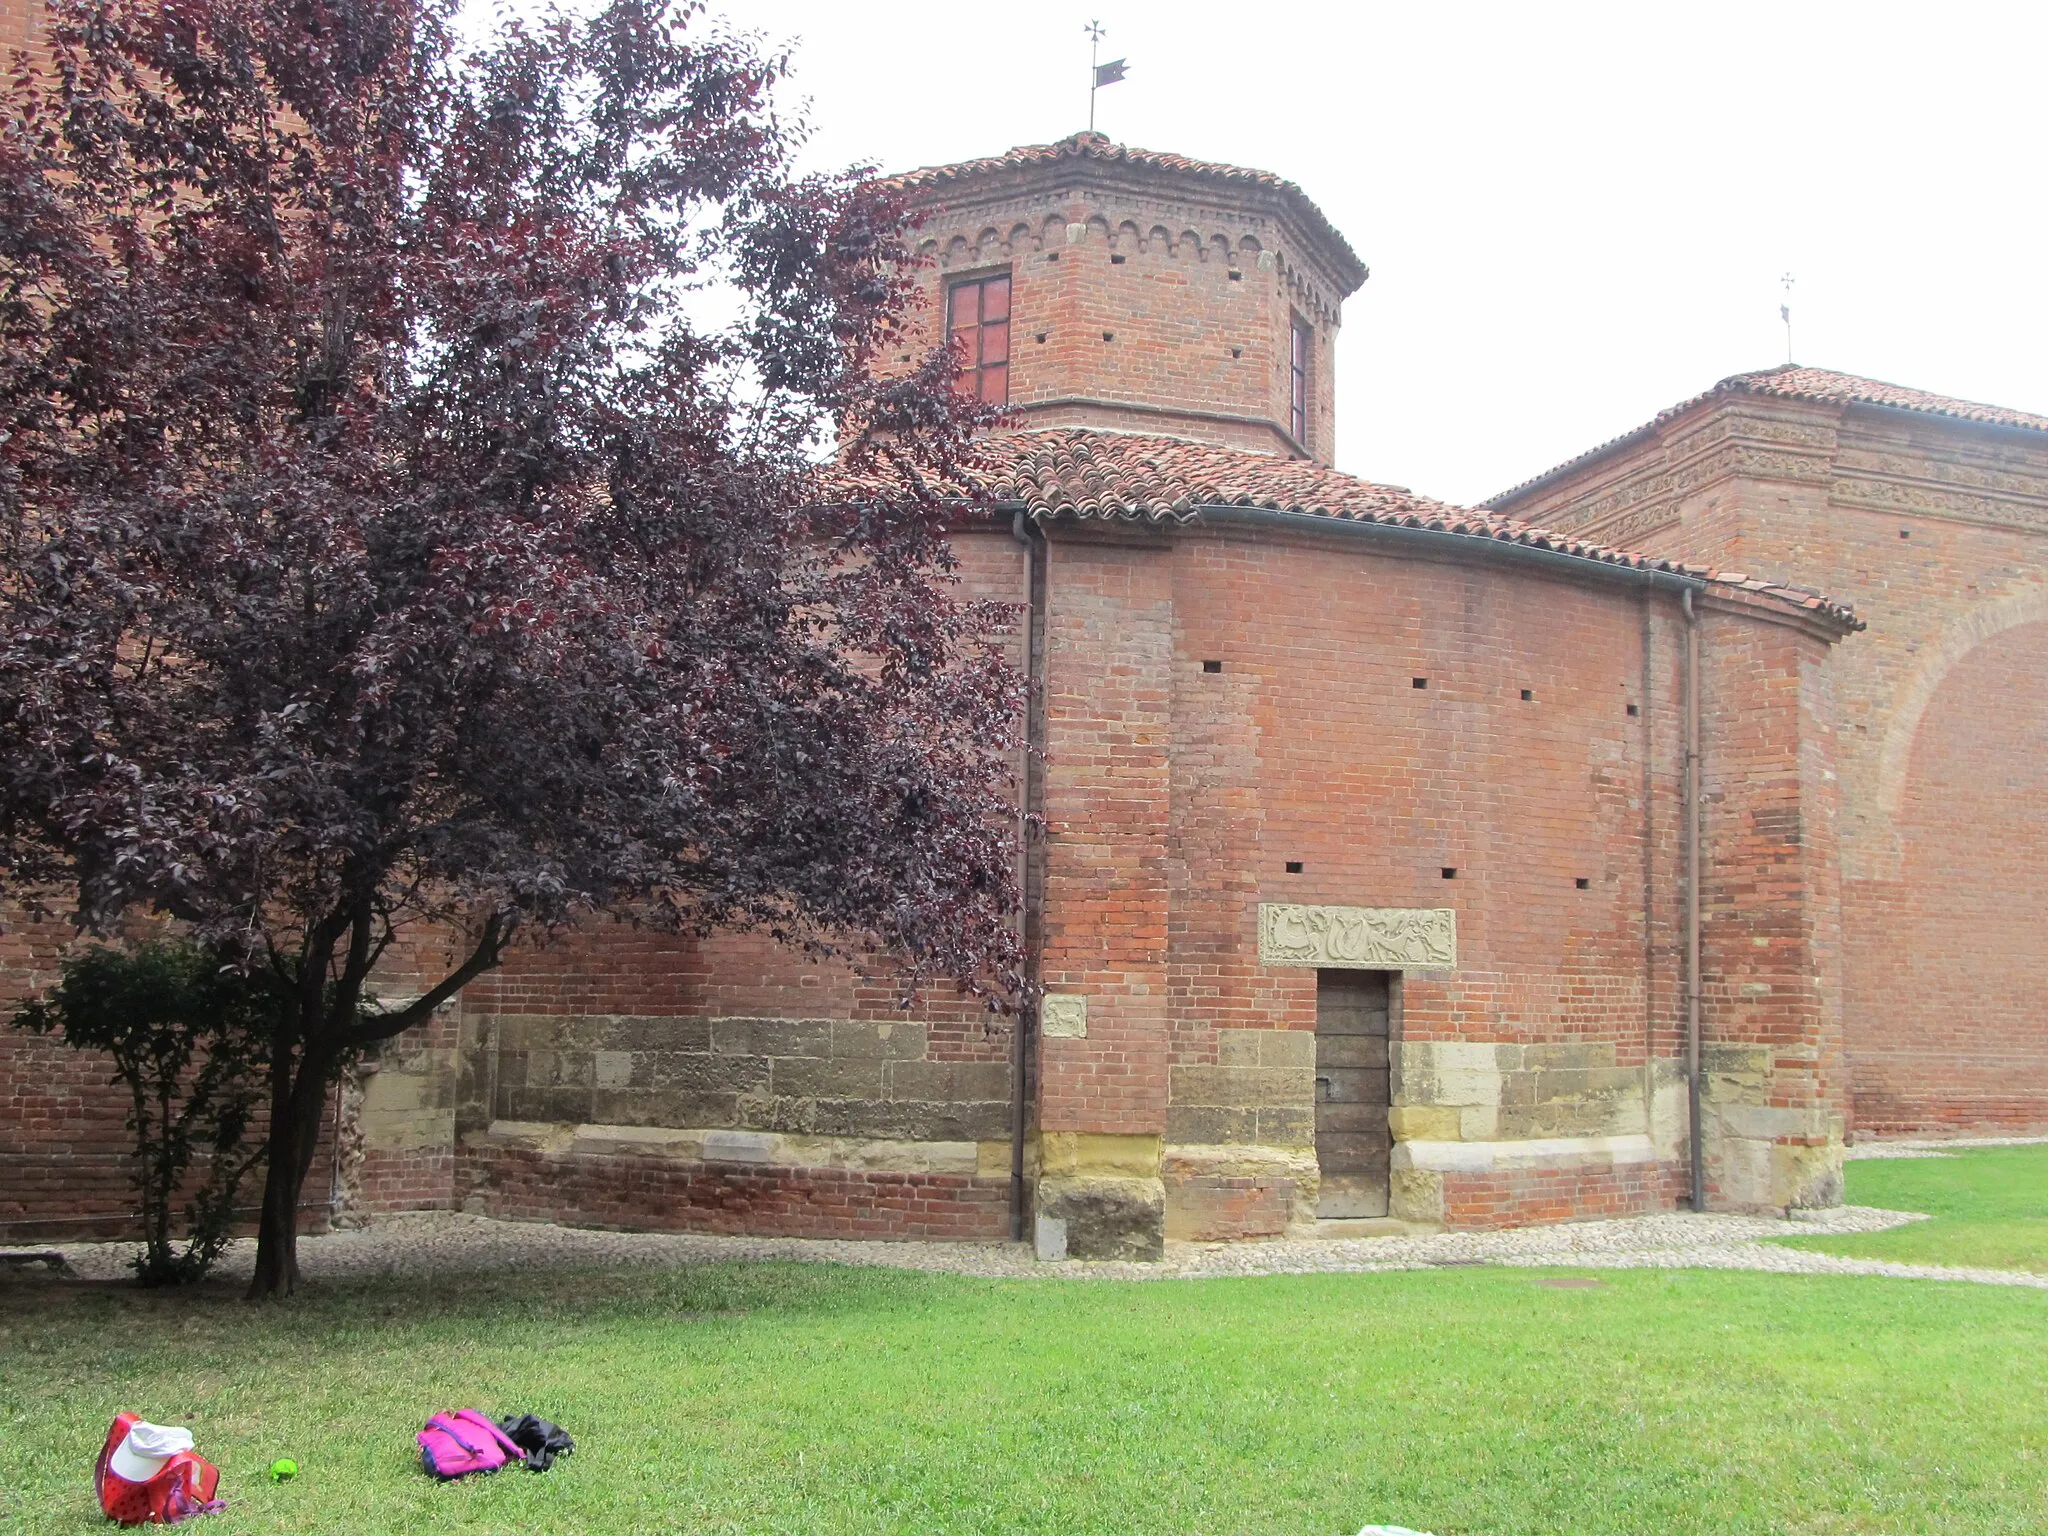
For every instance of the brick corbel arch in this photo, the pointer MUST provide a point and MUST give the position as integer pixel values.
(1986, 621)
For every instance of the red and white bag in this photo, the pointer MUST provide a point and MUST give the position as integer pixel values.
(148, 1474)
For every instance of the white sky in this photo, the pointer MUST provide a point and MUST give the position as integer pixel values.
(1575, 214)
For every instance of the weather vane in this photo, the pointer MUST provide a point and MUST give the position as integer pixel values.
(1785, 314)
(1099, 75)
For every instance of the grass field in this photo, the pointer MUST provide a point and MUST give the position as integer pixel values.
(1989, 1204)
(806, 1399)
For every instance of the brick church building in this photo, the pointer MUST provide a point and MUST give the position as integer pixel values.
(1402, 860)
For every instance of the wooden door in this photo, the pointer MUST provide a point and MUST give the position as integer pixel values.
(1352, 1092)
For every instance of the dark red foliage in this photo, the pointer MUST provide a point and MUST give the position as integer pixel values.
(383, 543)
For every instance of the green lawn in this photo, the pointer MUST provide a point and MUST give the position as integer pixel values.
(1990, 1208)
(807, 1399)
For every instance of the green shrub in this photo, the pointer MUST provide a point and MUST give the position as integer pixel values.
(189, 1037)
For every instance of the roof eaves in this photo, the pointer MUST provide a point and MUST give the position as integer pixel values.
(1099, 149)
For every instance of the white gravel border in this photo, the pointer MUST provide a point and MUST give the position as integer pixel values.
(432, 1242)
(1935, 1146)
(400, 1247)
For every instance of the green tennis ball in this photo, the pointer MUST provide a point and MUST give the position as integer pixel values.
(282, 1468)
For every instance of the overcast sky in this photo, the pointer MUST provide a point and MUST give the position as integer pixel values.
(1575, 214)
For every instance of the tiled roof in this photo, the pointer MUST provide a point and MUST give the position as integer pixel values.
(1076, 472)
(1833, 388)
(1788, 381)
(1098, 147)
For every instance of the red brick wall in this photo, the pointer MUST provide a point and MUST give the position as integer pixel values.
(64, 1165)
(1174, 797)
(1109, 636)
(20, 21)
(1377, 786)
(1521, 1197)
(641, 1195)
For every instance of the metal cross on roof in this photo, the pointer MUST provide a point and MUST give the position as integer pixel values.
(1099, 74)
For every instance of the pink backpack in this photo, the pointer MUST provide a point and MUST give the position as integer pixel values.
(456, 1444)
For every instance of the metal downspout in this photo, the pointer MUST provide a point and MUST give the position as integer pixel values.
(1033, 542)
(1696, 1134)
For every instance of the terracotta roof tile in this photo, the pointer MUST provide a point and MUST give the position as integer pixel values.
(1846, 388)
(1101, 149)
(1077, 472)
(1790, 382)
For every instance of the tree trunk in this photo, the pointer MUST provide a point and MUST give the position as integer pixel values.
(299, 1081)
(297, 1102)
(277, 1233)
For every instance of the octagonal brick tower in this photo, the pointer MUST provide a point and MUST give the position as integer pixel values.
(1095, 285)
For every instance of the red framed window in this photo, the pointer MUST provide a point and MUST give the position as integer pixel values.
(1300, 361)
(978, 321)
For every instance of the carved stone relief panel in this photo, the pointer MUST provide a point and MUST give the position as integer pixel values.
(1063, 1016)
(1359, 938)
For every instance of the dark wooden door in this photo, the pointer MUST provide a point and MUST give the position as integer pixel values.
(1352, 1144)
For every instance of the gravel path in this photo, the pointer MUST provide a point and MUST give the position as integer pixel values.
(443, 1242)
(1930, 1147)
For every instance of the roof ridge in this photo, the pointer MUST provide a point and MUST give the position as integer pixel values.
(1873, 391)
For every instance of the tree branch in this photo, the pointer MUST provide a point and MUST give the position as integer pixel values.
(490, 948)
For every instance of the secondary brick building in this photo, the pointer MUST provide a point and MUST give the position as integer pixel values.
(1930, 516)
(1365, 886)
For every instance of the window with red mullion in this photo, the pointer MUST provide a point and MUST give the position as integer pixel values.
(978, 321)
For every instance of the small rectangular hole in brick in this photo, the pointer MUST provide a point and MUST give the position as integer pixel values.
(1450, 872)
(1109, 335)
(1418, 682)
(1116, 261)
(1052, 256)
(1583, 883)
(1528, 695)
(1294, 866)
(1212, 666)
(1041, 338)
(1633, 710)
(1237, 277)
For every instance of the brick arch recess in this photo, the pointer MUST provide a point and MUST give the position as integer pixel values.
(1945, 1025)
(1937, 663)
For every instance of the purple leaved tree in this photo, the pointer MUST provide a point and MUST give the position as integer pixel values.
(383, 544)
